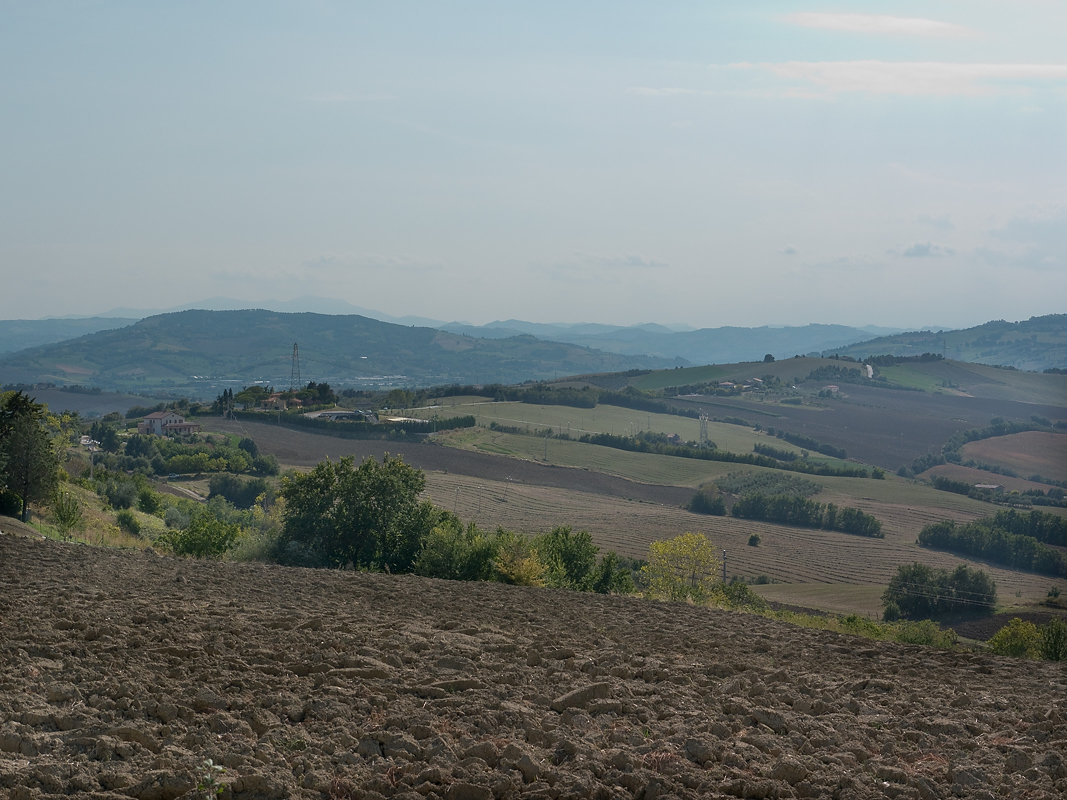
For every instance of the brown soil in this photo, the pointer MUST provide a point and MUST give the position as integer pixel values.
(123, 672)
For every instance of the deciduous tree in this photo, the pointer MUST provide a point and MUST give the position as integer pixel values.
(368, 516)
(686, 566)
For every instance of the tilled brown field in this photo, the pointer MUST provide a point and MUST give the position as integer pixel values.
(123, 672)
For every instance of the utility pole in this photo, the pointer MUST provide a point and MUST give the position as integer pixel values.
(724, 566)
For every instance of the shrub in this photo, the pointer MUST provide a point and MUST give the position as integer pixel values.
(128, 522)
(569, 558)
(612, 576)
(925, 632)
(861, 626)
(174, 517)
(67, 513)
(685, 567)
(148, 501)
(206, 536)
(517, 562)
(1018, 638)
(1054, 640)
(120, 493)
(737, 595)
(368, 516)
(754, 540)
(453, 552)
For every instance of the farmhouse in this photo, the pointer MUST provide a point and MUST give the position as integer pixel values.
(162, 423)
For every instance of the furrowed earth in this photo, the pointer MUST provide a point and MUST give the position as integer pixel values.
(124, 672)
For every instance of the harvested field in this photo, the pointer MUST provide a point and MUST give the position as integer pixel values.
(1027, 453)
(973, 476)
(879, 426)
(124, 672)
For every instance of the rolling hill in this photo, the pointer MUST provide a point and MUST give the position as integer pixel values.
(196, 352)
(1035, 344)
(21, 334)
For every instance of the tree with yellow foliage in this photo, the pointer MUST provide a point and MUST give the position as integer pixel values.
(685, 567)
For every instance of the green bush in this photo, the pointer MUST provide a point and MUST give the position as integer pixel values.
(454, 552)
(1054, 640)
(206, 536)
(148, 501)
(67, 513)
(120, 493)
(175, 517)
(569, 557)
(925, 632)
(861, 626)
(738, 595)
(612, 576)
(128, 522)
(1018, 638)
(754, 540)
(516, 561)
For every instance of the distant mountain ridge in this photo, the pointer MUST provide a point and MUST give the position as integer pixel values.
(724, 345)
(167, 352)
(1035, 344)
(197, 352)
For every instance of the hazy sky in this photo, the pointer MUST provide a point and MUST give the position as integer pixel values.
(710, 163)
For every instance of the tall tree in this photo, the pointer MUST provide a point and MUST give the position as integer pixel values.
(28, 458)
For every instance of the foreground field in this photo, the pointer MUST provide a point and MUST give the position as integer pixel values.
(124, 673)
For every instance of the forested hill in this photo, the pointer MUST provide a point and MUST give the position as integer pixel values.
(192, 351)
(19, 334)
(1037, 344)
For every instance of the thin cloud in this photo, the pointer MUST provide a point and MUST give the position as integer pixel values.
(341, 98)
(666, 91)
(927, 250)
(942, 222)
(935, 78)
(880, 24)
(627, 261)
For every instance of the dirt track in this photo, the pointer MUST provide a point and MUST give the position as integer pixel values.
(123, 672)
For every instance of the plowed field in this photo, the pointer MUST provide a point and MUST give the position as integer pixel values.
(123, 673)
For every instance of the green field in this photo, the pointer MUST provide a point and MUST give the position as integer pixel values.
(575, 422)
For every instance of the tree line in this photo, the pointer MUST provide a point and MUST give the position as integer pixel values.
(791, 509)
(995, 539)
(645, 442)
